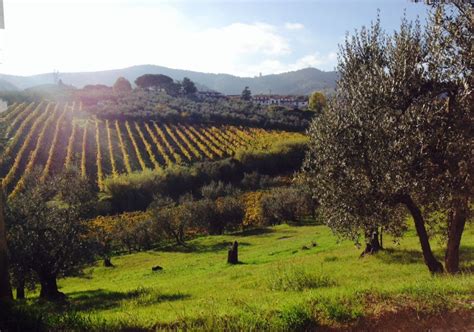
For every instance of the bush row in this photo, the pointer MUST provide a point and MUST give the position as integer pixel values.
(132, 192)
(222, 208)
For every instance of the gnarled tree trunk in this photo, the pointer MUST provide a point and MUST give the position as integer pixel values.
(5, 289)
(372, 244)
(49, 288)
(430, 260)
(456, 221)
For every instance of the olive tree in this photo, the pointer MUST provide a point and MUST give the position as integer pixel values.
(396, 138)
(173, 217)
(5, 289)
(48, 228)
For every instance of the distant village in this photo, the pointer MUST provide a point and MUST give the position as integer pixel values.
(294, 102)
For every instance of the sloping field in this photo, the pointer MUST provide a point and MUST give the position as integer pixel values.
(57, 135)
(290, 278)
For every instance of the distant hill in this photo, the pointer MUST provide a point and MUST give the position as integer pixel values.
(300, 82)
(7, 86)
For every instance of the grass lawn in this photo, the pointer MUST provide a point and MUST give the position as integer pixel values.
(290, 278)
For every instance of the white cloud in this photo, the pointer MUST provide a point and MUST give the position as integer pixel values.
(294, 26)
(275, 66)
(247, 39)
(88, 36)
(80, 36)
(317, 60)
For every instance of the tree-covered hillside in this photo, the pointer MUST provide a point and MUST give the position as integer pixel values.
(300, 82)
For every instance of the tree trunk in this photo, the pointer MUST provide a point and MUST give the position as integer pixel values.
(372, 243)
(49, 288)
(456, 221)
(108, 262)
(20, 290)
(381, 238)
(233, 254)
(430, 260)
(5, 289)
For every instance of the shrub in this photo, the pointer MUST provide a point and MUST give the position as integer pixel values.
(128, 231)
(135, 191)
(285, 204)
(217, 189)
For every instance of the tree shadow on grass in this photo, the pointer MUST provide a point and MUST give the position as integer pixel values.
(254, 232)
(202, 248)
(400, 256)
(101, 299)
(466, 259)
(405, 256)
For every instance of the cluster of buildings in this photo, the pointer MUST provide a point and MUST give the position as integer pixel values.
(298, 102)
(293, 102)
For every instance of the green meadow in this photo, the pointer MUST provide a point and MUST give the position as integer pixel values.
(290, 277)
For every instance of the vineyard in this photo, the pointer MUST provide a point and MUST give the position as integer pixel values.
(52, 136)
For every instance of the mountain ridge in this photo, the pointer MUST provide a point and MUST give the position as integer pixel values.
(299, 82)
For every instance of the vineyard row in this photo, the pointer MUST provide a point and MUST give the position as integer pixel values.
(52, 136)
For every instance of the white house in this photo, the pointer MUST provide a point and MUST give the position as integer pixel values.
(299, 102)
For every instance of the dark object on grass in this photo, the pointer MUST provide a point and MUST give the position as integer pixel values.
(313, 244)
(304, 248)
(156, 268)
(233, 254)
(108, 262)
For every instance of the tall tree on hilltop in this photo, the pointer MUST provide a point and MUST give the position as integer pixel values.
(397, 137)
(122, 85)
(246, 94)
(188, 86)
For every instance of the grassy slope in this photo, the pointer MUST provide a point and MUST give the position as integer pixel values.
(199, 287)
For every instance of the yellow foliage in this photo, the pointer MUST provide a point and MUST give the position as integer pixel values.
(126, 159)
(53, 144)
(70, 146)
(84, 149)
(111, 150)
(148, 147)
(253, 209)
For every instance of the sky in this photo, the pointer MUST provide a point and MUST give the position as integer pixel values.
(243, 38)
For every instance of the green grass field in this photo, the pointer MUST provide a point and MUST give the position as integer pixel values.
(291, 277)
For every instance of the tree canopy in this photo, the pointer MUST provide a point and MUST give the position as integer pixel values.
(317, 102)
(397, 135)
(47, 229)
(5, 290)
(122, 85)
(153, 81)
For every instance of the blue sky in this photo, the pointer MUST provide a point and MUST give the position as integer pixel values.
(243, 38)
